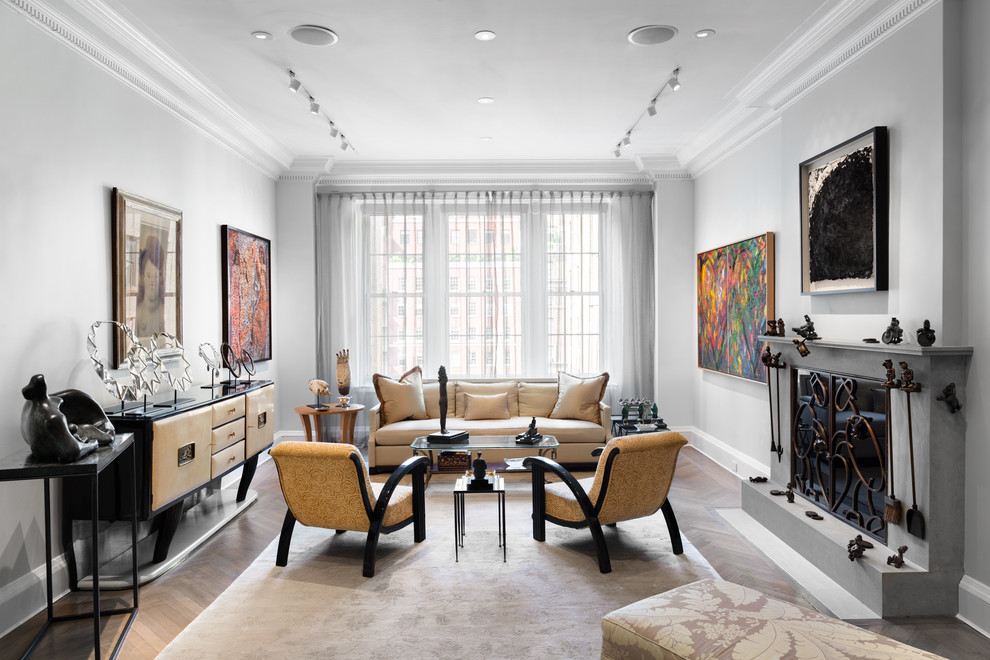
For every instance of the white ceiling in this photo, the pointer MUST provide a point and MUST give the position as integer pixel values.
(403, 80)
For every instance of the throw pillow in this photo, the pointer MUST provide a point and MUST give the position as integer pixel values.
(486, 406)
(537, 399)
(401, 399)
(577, 398)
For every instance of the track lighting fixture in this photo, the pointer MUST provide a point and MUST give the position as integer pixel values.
(627, 138)
(314, 108)
(618, 150)
(652, 109)
(673, 82)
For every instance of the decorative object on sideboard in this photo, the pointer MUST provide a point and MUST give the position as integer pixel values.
(897, 560)
(772, 361)
(891, 505)
(807, 329)
(894, 334)
(926, 336)
(789, 493)
(844, 209)
(133, 364)
(146, 271)
(247, 362)
(210, 356)
(915, 519)
(246, 288)
(531, 436)
(319, 388)
(949, 396)
(445, 436)
(45, 428)
(161, 342)
(231, 363)
(814, 515)
(801, 347)
(757, 480)
(735, 299)
(871, 340)
(344, 372)
(857, 546)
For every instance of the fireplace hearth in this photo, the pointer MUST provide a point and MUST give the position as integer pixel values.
(846, 438)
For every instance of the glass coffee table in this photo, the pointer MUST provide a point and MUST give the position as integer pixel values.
(547, 446)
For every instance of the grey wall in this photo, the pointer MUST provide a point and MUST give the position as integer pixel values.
(69, 133)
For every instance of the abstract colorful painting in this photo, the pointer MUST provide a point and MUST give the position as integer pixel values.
(247, 284)
(735, 299)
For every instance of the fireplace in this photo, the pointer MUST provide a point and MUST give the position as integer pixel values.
(844, 428)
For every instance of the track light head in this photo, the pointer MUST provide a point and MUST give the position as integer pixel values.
(343, 143)
(333, 130)
(627, 139)
(314, 107)
(673, 82)
(294, 83)
(652, 109)
(617, 152)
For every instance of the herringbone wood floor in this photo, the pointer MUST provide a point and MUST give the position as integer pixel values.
(170, 603)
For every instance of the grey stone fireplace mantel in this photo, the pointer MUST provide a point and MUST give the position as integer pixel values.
(927, 584)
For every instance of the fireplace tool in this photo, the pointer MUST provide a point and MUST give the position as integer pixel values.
(891, 505)
(915, 519)
(772, 361)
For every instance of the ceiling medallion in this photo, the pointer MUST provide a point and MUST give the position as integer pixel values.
(651, 35)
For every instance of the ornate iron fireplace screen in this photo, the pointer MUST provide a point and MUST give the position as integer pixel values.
(839, 447)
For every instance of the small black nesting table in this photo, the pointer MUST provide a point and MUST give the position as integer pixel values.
(21, 466)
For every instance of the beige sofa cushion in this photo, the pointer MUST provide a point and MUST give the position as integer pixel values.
(486, 406)
(401, 399)
(508, 387)
(577, 398)
(431, 395)
(537, 399)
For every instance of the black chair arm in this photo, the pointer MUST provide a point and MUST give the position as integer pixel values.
(578, 491)
(410, 465)
(597, 451)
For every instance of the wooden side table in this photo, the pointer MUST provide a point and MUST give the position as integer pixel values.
(347, 421)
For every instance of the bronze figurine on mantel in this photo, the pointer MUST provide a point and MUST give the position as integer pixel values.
(897, 560)
(894, 334)
(801, 347)
(776, 328)
(926, 336)
(949, 396)
(807, 329)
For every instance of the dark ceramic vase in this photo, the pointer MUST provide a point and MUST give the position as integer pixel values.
(45, 428)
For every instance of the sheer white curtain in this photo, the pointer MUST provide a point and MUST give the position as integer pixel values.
(518, 255)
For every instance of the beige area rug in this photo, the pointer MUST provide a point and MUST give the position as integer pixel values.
(545, 601)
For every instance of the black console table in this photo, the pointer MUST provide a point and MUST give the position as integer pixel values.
(22, 466)
(183, 447)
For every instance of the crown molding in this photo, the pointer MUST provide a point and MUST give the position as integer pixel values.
(661, 166)
(307, 168)
(216, 119)
(741, 123)
(459, 174)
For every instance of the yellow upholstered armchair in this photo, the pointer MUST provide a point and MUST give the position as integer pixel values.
(632, 480)
(327, 485)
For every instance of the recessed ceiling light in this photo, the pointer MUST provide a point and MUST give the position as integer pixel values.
(484, 35)
(651, 35)
(262, 35)
(485, 100)
(313, 35)
(704, 34)
(486, 139)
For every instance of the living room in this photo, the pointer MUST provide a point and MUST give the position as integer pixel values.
(84, 114)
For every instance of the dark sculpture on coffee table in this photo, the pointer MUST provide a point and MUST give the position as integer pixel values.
(444, 435)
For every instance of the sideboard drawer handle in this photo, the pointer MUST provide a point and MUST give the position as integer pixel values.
(232, 411)
(231, 434)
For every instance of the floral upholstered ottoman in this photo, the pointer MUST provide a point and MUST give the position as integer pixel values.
(718, 619)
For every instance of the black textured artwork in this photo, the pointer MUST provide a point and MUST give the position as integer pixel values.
(840, 219)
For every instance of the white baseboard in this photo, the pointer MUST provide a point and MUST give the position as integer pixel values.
(728, 457)
(974, 604)
(24, 597)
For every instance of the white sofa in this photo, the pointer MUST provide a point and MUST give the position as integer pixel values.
(388, 445)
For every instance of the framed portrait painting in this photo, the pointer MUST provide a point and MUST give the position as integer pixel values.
(146, 271)
(735, 299)
(247, 284)
(844, 216)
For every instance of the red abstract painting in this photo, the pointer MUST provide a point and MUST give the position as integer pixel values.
(247, 314)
